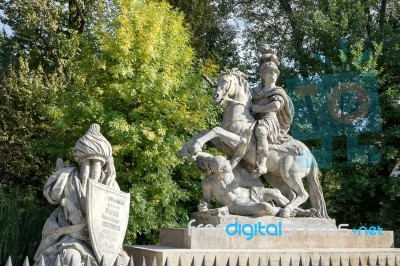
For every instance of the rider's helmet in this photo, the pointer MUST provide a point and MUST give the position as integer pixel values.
(268, 59)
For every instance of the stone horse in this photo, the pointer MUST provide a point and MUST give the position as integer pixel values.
(287, 163)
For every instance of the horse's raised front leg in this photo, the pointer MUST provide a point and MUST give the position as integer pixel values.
(186, 148)
(220, 133)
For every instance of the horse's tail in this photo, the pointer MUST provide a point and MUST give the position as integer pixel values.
(316, 194)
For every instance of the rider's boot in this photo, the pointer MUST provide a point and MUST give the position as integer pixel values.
(262, 156)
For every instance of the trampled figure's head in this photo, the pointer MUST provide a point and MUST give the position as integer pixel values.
(220, 165)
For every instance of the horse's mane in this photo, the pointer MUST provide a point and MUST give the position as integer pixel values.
(241, 77)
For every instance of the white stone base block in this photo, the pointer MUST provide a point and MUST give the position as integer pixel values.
(162, 256)
(311, 242)
(218, 238)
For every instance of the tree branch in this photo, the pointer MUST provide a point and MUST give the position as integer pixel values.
(382, 13)
(81, 16)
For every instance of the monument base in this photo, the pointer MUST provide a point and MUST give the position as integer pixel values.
(239, 241)
(163, 256)
(203, 238)
(267, 232)
(221, 216)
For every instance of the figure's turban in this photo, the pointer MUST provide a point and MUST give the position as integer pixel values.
(93, 145)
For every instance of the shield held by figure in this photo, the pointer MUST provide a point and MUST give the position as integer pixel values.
(107, 212)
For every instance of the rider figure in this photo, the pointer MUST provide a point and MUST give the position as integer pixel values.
(270, 108)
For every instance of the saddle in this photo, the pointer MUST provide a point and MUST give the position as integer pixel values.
(284, 143)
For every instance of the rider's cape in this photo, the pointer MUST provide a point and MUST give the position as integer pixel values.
(285, 114)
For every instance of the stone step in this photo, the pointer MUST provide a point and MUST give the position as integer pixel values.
(207, 238)
(163, 256)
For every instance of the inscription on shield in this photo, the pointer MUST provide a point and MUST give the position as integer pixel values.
(107, 212)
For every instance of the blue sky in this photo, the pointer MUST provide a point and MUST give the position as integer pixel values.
(5, 27)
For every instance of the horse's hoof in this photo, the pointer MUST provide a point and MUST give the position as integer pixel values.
(312, 211)
(259, 172)
(256, 175)
(196, 148)
(285, 213)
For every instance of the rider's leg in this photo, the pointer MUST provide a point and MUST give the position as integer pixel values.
(262, 150)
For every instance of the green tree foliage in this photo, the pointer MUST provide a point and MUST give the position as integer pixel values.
(23, 165)
(140, 86)
(6, 52)
(213, 34)
(22, 125)
(130, 70)
(33, 67)
(20, 210)
(42, 29)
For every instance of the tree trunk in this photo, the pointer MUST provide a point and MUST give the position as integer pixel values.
(382, 13)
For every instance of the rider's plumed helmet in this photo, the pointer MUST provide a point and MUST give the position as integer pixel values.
(268, 59)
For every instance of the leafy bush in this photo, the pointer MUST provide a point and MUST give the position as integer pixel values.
(21, 221)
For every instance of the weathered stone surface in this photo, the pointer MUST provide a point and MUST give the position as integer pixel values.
(220, 216)
(216, 256)
(66, 231)
(107, 217)
(204, 238)
(210, 231)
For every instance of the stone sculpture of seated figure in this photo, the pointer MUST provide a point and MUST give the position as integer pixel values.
(65, 233)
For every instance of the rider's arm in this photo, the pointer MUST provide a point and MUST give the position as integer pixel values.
(273, 106)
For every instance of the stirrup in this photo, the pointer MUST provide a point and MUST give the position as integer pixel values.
(256, 172)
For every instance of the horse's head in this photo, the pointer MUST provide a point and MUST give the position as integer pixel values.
(232, 86)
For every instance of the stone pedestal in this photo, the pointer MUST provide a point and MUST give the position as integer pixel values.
(221, 216)
(210, 241)
(163, 256)
(218, 238)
